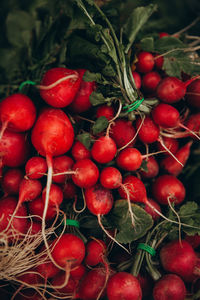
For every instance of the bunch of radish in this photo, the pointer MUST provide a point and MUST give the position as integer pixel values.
(46, 166)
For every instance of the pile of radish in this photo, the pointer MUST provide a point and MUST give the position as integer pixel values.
(62, 178)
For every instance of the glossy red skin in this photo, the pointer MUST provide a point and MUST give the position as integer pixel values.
(136, 189)
(15, 149)
(29, 189)
(36, 208)
(158, 60)
(123, 285)
(193, 94)
(178, 258)
(151, 211)
(11, 180)
(168, 186)
(110, 178)
(62, 164)
(69, 190)
(81, 101)
(145, 62)
(69, 288)
(78, 272)
(68, 248)
(129, 159)
(193, 123)
(19, 111)
(36, 167)
(122, 132)
(52, 133)
(171, 143)
(152, 168)
(171, 166)
(105, 111)
(63, 93)
(170, 286)
(137, 79)
(55, 195)
(150, 81)
(149, 131)
(193, 240)
(104, 150)
(99, 200)
(7, 208)
(95, 252)
(86, 174)
(47, 269)
(166, 115)
(170, 90)
(79, 151)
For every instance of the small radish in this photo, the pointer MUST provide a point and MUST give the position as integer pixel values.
(170, 286)
(78, 272)
(61, 164)
(105, 110)
(193, 94)
(148, 130)
(58, 284)
(11, 181)
(162, 34)
(123, 133)
(110, 178)
(193, 240)
(79, 151)
(166, 115)
(59, 86)
(36, 208)
(17, 113)
(137, 79)
(55, 195)
(150, 81)
(193, 124)
(168, 188)
(178, 257)
(170, 143)
(123, 285)
(151, 211)
(129, 159)
(104, 149)
(81, 101)
(145, 62)
(95, 252)
(169, 164)
(36, 167)
(34, 228)
(151, 170)
(158, 60)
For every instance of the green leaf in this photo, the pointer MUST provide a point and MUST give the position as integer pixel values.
(85, 139)
(121, 219)
(19, 25)
(100, 124)
(147, 44)
(169, 43)
(97, 77)
(97, 98)
(136, 20)
(172, 67)
(189, 208)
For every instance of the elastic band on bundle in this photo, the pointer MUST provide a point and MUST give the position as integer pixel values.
(26, 83)
(147, 248)
(74, 223)
(134, 105)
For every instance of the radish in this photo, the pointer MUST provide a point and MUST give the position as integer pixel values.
(110, 178)
(170, 143)
(61, 164)
(78, 272)
(95, 252)
(68, 289)
(123, 133)
(69, 190)
(193, 94)
(36, 167)
(170, 286)
(105, 110)
(145, 62)
(137, 79)
(36, 208)
(148, 130)
(79, 151)
(150, 81)
(158, 61)
(59, 86)
(33, 227)
(193, 124)
(178, 257)
(162, 34)
(104, 149)
(168, 188)
(193, 240)
(55, 195)
(17, 113)
(152, 168)
(123, 285)
(81, 101)
(11, 181)
(151, 211)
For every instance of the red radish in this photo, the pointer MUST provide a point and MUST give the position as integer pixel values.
(170, 286)
(151, 211)
(110, 178)
(29, 294)
(36, 167)
(152, 167)
(129, 159)
(79, 151)
(171, 144)
(17, 113)
(178, 257)
(19, 222)
(193, 240)
(81, 101)
(68, 249)
(14, 149)
(61, 164)
(59, 86)
(145, 62)
(123, 133)
(69, 190)
(193, 94)
(30, 277)
(69, 288)
(193, 124)
(137, 79)
(36, 208)
(158, 60)
(123, 285)
(95, 252)
(162, 34)
(29, 189)
(168, 188)
(55, 195)
(148, 130)
(105, 110)
(85, 174)
(78, 272)
(33, 227)
(104, 149)
(11, 181)
(170, 165)
(150, 81)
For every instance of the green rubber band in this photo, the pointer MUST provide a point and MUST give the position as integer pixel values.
(72, 223)
(134, 105)
(25, 83)
(147, 248)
